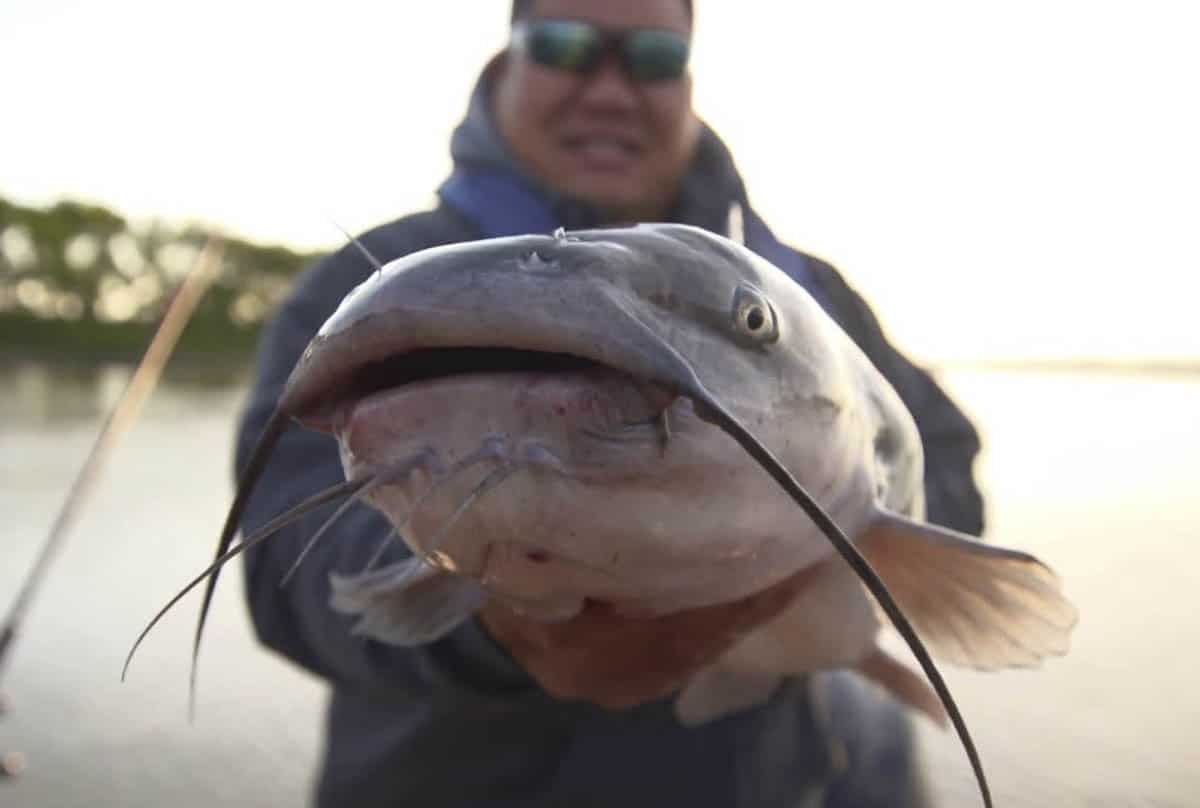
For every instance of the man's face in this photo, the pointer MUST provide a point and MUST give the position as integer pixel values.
(601, 137)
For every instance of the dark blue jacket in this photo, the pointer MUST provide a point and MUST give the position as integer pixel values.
(458, 722)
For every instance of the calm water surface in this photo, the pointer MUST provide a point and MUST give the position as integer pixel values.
(1097, 474)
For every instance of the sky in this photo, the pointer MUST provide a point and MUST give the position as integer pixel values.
(1000, 180)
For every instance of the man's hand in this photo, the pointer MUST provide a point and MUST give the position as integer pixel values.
(619, 662)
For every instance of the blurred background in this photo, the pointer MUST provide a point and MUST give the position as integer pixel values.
(1014, 187)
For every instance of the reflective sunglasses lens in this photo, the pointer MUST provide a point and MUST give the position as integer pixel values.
(656, 55)
(563, 44)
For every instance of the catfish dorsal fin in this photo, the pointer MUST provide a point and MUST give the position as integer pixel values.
(974, 604)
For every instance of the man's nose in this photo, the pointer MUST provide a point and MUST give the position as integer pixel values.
(609, 86)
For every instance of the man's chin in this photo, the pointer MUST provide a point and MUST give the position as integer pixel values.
(618, 206)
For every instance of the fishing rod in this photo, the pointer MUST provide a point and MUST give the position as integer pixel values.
(120, 418)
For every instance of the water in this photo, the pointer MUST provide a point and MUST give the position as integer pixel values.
(1097, 475)
(150, 526)
(1094, 473)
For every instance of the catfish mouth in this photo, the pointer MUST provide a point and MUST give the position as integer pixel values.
(427, 365)
(436, 363)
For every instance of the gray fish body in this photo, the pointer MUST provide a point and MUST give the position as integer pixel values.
(569, 369)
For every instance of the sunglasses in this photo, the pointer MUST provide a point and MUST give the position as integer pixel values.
(575, 46)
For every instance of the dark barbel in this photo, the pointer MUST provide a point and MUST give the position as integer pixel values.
(711, 410)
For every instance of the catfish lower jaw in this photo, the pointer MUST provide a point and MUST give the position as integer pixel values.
(584, 419)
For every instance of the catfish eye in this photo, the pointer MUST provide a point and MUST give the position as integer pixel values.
(753, 316)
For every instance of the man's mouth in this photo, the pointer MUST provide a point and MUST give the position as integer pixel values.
(604, 151)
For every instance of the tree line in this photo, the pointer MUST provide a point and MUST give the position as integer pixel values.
(80, 281)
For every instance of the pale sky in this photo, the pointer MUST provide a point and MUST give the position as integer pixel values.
(1017, 179)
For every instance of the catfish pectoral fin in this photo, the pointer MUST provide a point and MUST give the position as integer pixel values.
(408, 603)
(714, 692)
(974, 604)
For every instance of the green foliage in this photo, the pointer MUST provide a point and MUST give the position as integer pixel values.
(78, 280)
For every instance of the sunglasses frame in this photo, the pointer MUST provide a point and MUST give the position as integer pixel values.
(610, 42)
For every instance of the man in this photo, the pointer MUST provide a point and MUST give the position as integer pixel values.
(586, 119)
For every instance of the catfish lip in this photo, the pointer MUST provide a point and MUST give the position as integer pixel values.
(429, 364)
